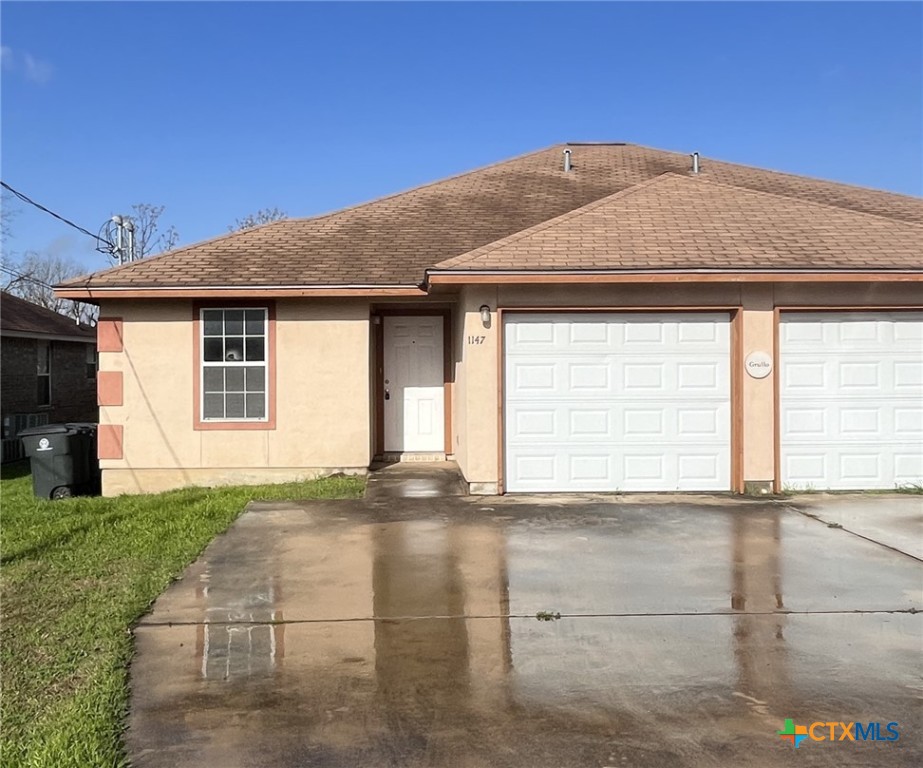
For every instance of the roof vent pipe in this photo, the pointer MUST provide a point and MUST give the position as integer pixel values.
(566, 160)
(695, 162)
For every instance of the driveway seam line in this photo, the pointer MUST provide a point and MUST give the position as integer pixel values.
(837, 526)
(446, 617)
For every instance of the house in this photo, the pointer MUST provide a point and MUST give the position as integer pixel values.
(588, 317)
(48, 370)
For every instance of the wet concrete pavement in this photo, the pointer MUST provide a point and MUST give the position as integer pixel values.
(401, 630)
(895, 521)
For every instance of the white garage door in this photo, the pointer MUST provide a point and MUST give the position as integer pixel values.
(851, 399)
(617, 402)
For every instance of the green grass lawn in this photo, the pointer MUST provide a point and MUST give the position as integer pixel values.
(76, 574)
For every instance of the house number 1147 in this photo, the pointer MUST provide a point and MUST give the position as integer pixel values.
(476, 339)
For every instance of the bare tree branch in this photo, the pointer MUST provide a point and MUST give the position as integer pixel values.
(33, 277)
(7, 213)
(262, 216)
(149, 238)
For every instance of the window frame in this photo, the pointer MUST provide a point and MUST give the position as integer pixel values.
(91, 348)
(47, 344)
(268, 421)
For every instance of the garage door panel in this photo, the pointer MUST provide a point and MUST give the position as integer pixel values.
(701, 422)
(857, 420)
(847, 332)
(805, 376)
(700, 333)
(806, 422)
(908, 423)
(558, 423)
(536, 470)
(834, 466)
(590, 468)
(595, 336)
(851, 399)
(907, 329)
(805, 467)
(700, 468)
(858, 376)
(533, 334)
(697, 377)
(908, 465)
(908, 376)
(644, 422)
(589, 378)
(532, 423)
(857, 423)
(532, 377)
(627, 402)
(594, 424)
(613, 422)
(541, 469)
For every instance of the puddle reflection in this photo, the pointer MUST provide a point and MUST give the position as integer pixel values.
(242, 636)
(401, 573)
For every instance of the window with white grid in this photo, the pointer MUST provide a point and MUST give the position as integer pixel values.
(234, 370)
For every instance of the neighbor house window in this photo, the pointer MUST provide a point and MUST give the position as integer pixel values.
(234, 371)
(43, 371)
(92, 361)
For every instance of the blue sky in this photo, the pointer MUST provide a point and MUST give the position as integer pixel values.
(218, 109)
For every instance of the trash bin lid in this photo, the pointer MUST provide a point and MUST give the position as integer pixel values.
(45, 429)
(82, 426)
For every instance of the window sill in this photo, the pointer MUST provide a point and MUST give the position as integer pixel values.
(205, 426)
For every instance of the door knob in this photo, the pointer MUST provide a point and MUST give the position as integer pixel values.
(387, 394)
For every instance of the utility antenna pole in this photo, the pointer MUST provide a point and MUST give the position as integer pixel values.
(119, 241)
(130, 230)
(124, 238)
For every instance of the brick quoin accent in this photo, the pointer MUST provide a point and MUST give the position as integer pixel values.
(110, 441)
(109, 334)
(109, 388)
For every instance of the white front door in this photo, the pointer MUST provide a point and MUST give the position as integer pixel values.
(851, 388)
(413, 373)
(617, 402)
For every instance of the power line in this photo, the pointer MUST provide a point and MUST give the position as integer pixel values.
(28, 278)
(30, 201)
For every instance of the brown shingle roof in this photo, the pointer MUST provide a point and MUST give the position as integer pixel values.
(692, 223)
(392, 241)
(21, 316)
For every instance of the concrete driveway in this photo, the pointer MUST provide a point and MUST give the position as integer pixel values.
(401, 630)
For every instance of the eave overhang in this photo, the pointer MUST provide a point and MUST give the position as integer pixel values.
(37, 335)
(531, 277)
(486, 277)
(93, 295)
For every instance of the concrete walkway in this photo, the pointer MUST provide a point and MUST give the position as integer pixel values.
(420, 627)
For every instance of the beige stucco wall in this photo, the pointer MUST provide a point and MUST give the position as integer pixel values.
(476, 400)
(324, 381)
(477, 419)
(459, 436)
(322, 412)
(757, 327)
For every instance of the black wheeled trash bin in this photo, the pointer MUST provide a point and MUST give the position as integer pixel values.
(63, 459)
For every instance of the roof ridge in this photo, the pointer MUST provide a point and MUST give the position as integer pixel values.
(848, 211)
(317, 217)
(464, 258)
(774, 172)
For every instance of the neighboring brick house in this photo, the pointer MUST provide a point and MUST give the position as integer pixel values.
(47, 370)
